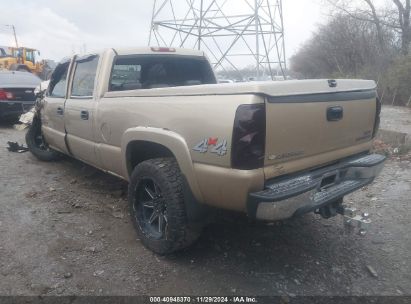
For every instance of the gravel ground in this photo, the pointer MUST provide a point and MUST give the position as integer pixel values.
(65, 230)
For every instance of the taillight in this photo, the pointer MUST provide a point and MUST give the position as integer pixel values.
(377, 118)
(5, 95)
(248, 146)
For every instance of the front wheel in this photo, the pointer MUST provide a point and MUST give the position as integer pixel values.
(157, 207)
(37, 144)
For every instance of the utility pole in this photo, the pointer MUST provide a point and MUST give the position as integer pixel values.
(14, 33)
(15, 36)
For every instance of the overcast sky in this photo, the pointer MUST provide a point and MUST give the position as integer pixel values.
(59, 27)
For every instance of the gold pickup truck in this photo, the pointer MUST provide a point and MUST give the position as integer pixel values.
(157, 118)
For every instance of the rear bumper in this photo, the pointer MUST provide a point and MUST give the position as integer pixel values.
(14, 109)
(303, 193)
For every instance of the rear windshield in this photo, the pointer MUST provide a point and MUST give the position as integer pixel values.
(159, 71)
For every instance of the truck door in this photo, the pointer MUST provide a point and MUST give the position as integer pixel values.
(80, 109)
(52, 114)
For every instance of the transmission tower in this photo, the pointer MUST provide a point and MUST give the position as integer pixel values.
(234, 33)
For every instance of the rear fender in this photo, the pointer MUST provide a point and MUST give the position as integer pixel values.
(173, 142)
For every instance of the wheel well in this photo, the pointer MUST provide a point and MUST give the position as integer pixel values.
(140, 151)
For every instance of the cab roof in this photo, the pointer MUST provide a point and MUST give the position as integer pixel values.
(158, 50)
(22, 47)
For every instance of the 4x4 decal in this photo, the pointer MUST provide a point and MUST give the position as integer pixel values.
(219, 148)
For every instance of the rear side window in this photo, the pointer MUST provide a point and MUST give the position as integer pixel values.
(159, 71)
(58, 81)
(126, 77)
(84, 77)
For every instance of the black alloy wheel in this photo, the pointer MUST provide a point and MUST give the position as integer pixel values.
(158, 208)
(151, 209)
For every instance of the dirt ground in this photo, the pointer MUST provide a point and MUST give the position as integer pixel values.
(65, 230)
(396, 119)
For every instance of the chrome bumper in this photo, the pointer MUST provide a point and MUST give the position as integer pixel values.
(315, 189)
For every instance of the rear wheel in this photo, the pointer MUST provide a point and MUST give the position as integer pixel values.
(37, 144)
(157, 207)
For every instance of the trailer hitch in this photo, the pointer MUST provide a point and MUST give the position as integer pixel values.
(354, 221)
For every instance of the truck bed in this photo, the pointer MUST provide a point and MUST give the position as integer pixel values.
(299, 135)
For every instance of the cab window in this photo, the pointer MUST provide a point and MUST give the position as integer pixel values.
(159, 71)
(30, 56)
(58, 81)
(126, 77)
(18, 53)
(84, 77)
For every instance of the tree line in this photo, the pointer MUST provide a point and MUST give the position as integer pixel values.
(362, 40)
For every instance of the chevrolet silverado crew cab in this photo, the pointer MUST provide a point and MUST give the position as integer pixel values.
(157, 118)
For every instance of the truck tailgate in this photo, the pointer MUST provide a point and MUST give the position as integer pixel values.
(303, 126)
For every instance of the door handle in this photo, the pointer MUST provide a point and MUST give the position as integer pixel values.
(60, 111)
(335, 113)
(84, 115)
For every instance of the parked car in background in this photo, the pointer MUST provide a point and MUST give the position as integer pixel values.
(17, 94)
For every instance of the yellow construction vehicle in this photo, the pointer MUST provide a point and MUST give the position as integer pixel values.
(24, 59)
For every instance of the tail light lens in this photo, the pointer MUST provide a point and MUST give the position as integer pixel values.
(5, 95)
(377, 118)
(248, 147)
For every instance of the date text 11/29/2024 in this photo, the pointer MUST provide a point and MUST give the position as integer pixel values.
(236, 299)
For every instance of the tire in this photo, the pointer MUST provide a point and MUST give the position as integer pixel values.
(157, 207)
(37, 145)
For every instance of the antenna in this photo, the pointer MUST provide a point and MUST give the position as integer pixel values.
(233, 33)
